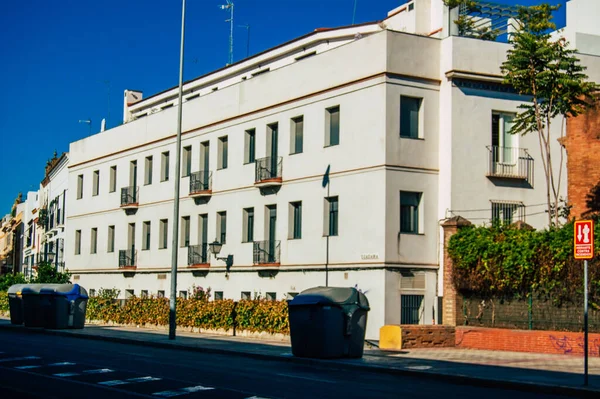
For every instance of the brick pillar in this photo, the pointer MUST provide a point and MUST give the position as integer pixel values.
(450, 301)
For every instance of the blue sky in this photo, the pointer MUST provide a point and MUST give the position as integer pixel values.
(57, 55)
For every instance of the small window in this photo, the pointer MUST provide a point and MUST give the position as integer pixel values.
(307, 55)
(297, 135)
(411, 6)
(271, 296)
(223, 150)
(92, 292)
(250, 146)
(248, 225)
(77, 242)
(410, 108)
(506, 212)
(129, 294)
(222, 226)
(183, 294)
(148, 171)
(163, 233)
(186, 163)
(80, 187)
(113, 179)
(295, 221)
(144, 294)
(291, 295)
(146, 234)
(185, 232)
(164, 166)
(96, 183)
(409, 212)
(160, 294)
(246, 295)
(332, 121)
(218, 295)
(94, 241)
(111, 239)
(331, 217)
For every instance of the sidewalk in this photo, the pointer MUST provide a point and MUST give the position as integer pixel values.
(557, 374)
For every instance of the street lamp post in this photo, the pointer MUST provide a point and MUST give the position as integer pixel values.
(174, 248)
(229, 6)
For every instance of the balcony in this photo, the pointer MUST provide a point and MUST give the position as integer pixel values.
(127, 259)
(510, 163)
(129, 197)
(198, 256)
(267, 253)
(201, 184)
(268, 172)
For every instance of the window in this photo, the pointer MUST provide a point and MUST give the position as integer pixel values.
(411, 309)
(92, 292)
(248, 225)
(129, 294)
(186, 161)
(250, 146)
(146, 234)
(295, 221)
(94, 241)
(163, 233)
(223, 147)
(80, 187)
(96, 183)
(291, 295)
(410, 108)
(503, 142)
(246, 295)
(507, 212)
(332, 126)
(144, 294)
(218, 295)
(111, 239)
(297, 135)
(77, 242)
(409, 212)
(183, 294)
(222, 226)
(160, 294)
(331, 217)
(271, 296)
(148, 171)
(164, 166)
(185, 232)
(113, 179)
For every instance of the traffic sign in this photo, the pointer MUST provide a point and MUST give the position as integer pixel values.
(584, 239)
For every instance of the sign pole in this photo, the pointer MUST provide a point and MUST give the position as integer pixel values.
(585, 321)
(583, 236)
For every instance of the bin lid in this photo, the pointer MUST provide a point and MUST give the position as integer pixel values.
(332, 296)
(71, 291)
(16, 288)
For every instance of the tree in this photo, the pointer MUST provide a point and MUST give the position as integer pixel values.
(550, 73)
(47, 274)
(592, 201)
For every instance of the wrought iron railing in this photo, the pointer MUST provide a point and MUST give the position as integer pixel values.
(200, 181)
(510, 162)
(127, 257)
(266, 252)
(129, 195)
(268, 168)
(197, 254)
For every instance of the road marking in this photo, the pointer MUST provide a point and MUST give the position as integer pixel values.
(182, 391)
(112, 383)
(27, 367)
(305, 378)
(14, 359)
(256, 397)
(418, 367)
(144, 379)
(62, 364)
(66, 374)
(98, 371)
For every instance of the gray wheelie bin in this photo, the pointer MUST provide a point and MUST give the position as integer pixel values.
(15, 303)
(66, 306)
(328, 322)
(33, 308)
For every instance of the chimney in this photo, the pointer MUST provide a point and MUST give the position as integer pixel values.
(131, 97)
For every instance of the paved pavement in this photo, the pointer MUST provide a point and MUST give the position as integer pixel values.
(524, 371)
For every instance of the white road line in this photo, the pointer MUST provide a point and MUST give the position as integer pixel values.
(61, 364)
(306, 378)
(256, 397)
(144, 379)
(98, 371)
(112, 383)
(182, 391)
(418, 367)
(14, 359)
(27, 367)
(65, 374)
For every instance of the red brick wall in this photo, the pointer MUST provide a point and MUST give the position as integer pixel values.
(418, 336)
(554, 342)
(583, 146)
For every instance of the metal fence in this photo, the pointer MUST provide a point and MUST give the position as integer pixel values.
(197, 254)
(266, 252)
(268, 168)
(127, 257)
(200, 181)
(129, 195)
(510, 162)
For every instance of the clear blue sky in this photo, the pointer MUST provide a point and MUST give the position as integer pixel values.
(56, 55)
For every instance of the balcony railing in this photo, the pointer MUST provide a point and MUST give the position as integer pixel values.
(510, 163)
(198, 254)
(129, 196)
(267, 252)
(268, 171)
(127, 258)
(200, 183)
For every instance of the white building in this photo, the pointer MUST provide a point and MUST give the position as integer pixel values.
(413, 127)
(31, 233)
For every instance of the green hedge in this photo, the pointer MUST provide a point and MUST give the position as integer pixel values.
(3, 301)
(248, 315)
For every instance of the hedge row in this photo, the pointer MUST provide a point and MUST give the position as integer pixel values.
(247, 315)
(3, 301)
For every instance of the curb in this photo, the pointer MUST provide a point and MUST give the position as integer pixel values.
(457, 379)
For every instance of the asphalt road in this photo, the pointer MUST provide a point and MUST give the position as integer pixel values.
(45, 366)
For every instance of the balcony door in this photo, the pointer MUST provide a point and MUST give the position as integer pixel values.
(505, 146)
(131, 238)
(272, 226)
(204, 163)
(273, 143)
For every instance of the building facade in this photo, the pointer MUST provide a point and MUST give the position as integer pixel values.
(414, 133)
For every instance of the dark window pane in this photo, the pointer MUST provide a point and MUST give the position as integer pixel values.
(409, 117)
